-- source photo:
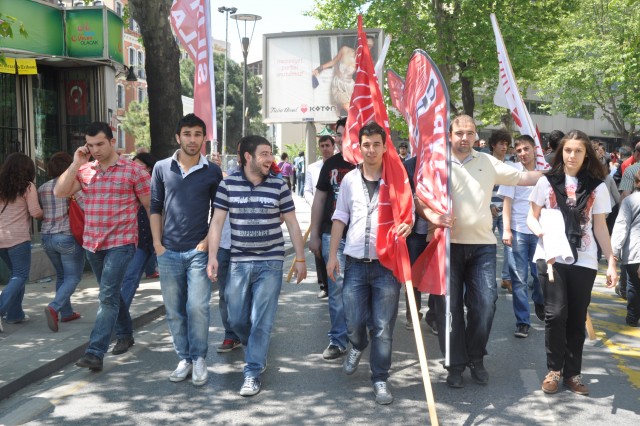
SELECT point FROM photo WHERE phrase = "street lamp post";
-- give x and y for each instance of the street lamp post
(245, 42)
(226, 11)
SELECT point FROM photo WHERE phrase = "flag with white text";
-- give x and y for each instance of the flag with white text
(190, 20)
(508, 96)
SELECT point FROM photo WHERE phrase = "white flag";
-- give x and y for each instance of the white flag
(508, 96)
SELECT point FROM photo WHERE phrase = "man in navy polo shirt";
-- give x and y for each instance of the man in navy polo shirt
(183, 188)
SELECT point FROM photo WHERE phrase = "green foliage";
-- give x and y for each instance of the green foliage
(293, 149)
(136, 123)
(597, 62)
(459, 38)
(7, 23)
(234, 98)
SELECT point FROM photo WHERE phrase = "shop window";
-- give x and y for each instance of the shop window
(140, 68)
(132, 56)
(119, 8)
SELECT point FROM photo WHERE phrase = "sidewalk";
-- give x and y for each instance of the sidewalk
(29, 352)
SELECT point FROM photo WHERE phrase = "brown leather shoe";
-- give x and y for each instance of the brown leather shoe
(575, 385)
(506, 284)
(551, 382)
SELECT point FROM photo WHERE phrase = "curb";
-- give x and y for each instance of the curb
(72, 355)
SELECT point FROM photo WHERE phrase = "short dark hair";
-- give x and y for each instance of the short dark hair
(458, 119)
(370, 129)
(301, 154)
(499, 136)
(99, 127)
(250, 144)
(524, 139)
(284, 156)
(58, 163)
(326, 138)
(191, 120)
(148, 159)
(341, 122)
(554, 139)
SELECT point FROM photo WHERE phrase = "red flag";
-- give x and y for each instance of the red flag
(424, 101)
(394, 197)
(191, 23)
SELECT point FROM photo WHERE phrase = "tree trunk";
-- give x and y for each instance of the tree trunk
(466, 89)
(163, 72)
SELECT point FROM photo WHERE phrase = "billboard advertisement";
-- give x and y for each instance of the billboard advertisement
(114, 36)
(309, 76)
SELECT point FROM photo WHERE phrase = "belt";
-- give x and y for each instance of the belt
(364, 260)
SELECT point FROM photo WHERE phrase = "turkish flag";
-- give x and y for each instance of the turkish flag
(395, 200)
(77, 97)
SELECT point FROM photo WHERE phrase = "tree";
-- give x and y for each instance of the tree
(136, 123)
(597, 62)
(162, 70)
(6, 29)
(234, 98)
(458, 36)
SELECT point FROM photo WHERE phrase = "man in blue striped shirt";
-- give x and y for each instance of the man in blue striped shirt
(255, 201)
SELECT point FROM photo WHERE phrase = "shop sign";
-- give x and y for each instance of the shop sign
(85, 33)
(27, 66)
(43, 24)
(9, 66)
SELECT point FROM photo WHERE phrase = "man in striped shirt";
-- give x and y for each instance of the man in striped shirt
(254, 201)
(113, 189)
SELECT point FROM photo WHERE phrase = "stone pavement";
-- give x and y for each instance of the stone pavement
(29, 352)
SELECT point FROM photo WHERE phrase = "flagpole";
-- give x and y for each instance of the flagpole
(448, 320)
(422, 355)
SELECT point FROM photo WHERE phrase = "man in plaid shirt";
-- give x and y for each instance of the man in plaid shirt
(113, 189)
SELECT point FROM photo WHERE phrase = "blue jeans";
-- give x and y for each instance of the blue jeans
(338, 332)
(370, 296)
(109, 267)
(130, 283)
(186, 290)
(224, 256)
(508, 264)
(252, 299)
(18, 260)
(67, 257)
(300, 185)
(472, 283)
(523, 247)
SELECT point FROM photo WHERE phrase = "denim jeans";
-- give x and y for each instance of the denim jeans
(523, 247)
(18, 260)
(224, 257)
(370, 294)
(109, 267)
(472, 283)
(508, 264)
(252, 293)
(67, 257)
(300, 185)
(338, 332)
(186, 290)
(130, 283)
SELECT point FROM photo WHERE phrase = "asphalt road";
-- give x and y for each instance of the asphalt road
(300, 388)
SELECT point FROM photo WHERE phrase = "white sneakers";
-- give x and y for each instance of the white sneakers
(182, 371)
(200, 373)
(383, 394)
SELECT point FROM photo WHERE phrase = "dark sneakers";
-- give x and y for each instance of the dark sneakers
(454, 379)
(333, 351)
(122, 345)
(539, 311)
(90, 361)
(522, 331)
(479, 374)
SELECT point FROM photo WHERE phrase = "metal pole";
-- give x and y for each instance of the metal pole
(224, 96)
(245, 53)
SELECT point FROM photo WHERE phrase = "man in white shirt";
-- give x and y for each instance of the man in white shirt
(327, 147)
(522, 241)
(370, 291)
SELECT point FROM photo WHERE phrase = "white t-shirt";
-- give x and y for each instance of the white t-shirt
(520, 204)
(599, 203)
